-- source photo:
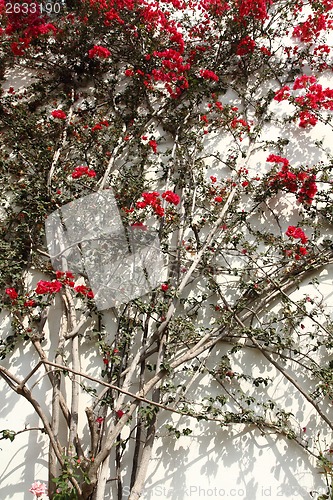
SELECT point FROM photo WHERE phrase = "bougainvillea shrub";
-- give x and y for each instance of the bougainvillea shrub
(211, 121)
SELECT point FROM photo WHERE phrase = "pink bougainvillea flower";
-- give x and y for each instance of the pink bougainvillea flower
(59, 113)
(12, 293)
(38, 489)
(99, 51)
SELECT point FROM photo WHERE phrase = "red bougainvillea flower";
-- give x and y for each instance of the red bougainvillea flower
(29, 303)
(12, 293)
(307, 118)
(62, 274)
(84, 290)
(171, 197)
(207, 74)
(245, 46)
(302, 81)
(213, 178)
(164, 287)
(18, 48)
(100, 125)
(151, 199)
(153, 145)
(218, 199)
(139, 225)
(310, 29)
(282, 94)
(308, 190)
(265, 51)
(278, 159)
(59, 113)
(99, 51)
(297, 233)
(256, 9)
(303, 184)
(128, 72)
(83, 170)
(44, 287)
(119, 413)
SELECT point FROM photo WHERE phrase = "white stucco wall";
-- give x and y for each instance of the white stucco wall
(213, 462)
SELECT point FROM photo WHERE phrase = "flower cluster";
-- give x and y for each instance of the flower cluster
(303, 184)
(310, 30)
(99, 51)
(153, 144)
(65, 277)
(282, 94)
(84, 290)
(153, 200)
(25, 24)
(100, 125)
(255, 9)
(38, 489)
(315, 98)
(12, 293)
(83, 170)
(171, 197)
(297, 233)
(245, 46)
(45, 287)
(59, 113)
(209, 75)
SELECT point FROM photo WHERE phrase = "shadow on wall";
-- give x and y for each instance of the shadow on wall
(235, 461)
(229, 463)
